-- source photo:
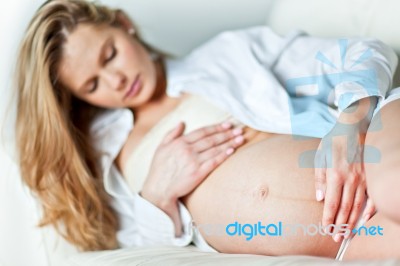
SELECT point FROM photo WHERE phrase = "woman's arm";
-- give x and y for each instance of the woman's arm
(168, 205)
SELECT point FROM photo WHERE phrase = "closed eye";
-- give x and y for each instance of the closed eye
(94, 85)
(112, 55)
(108, 59)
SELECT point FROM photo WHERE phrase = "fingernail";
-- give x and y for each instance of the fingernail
(319, 195)
(237, 131)
(226, 125)
(239, 139)
(229, 151)
(336, 238)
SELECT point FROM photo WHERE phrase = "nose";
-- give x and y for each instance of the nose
(113, 79)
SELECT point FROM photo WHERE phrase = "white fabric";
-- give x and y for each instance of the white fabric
(221, 71)
(191, 256)
(248, 77)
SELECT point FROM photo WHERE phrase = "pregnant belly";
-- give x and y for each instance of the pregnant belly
(265, 182)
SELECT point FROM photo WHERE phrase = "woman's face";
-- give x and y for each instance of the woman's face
(106, 67)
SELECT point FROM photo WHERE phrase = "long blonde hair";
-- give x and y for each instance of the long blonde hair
(57, 158)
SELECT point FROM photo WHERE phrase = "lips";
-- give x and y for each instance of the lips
(134, 89)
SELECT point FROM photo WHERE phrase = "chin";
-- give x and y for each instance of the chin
(147, 93)
(141, 99)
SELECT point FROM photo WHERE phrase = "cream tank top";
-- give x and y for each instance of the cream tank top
(195, 111)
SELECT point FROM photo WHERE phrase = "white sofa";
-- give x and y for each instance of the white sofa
(175, 26)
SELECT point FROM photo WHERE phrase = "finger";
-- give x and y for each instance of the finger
(346, 206)
(209, 165)
(216, 140)
(332, 198)
(227, 147)
(174, 133)
(320, 184)
(369, 210)
(358, 204)
(206, 131)
(320, 176)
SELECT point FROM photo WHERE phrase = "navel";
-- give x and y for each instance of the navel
(261, 192)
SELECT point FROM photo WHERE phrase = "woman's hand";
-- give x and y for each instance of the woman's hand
(339, 169)
(182, 162)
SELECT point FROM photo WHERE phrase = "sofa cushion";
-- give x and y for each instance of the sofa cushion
(167, 255)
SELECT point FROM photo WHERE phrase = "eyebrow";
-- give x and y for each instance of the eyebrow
(103, 47)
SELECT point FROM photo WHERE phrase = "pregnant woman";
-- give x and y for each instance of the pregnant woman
(94, 101)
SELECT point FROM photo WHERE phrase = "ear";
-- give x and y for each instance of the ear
(124, 21)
